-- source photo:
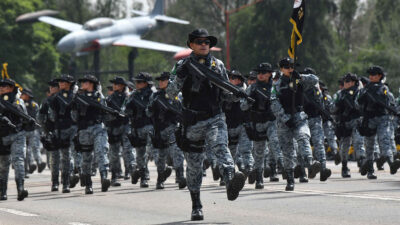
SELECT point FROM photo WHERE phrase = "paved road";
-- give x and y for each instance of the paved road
(338, 201)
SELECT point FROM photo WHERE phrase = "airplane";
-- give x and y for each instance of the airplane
(102, 32)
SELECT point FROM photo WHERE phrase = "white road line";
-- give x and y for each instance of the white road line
(16, 212)
(78, 223)
(339, 194)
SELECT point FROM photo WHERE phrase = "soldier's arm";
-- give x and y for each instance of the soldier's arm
(149, 108)
(178, 78)
(309, 80)
(276, 106)
(244, 104)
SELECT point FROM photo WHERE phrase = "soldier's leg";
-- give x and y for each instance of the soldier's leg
(344, 152)
(194, 176)
(366, 167)
(101, 147)
(18, 150)
(65, 168)
(275, 150)
(87, 158)
(162, 171)
(4, 171)
(55, 169)
(245, 147)
(36, 151)
(384, 139)
(178, 159)
(260, 149)
(289, 155)
(114, 161)
(129, 155)
(317, 137)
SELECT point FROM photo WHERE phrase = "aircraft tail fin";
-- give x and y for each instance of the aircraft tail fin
(158, 8)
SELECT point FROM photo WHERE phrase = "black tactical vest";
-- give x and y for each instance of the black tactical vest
(286, 92)
(116, 101)
(138, 116)
(61, 104)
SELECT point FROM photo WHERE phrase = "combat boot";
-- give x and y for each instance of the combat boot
(297, 171)
(105, 182)
(259, 180)
(146, 173)
(252, 176)
(215, 172)
(314, 169)
(274, 176)
(325, 172)
(197, 213)
(362, 162)
(303, 175)
(337, 158)
(88, 184)
(135, 175)
(41, 167)
(32, 168)
(280, 166)
(160, 182)
(371, 175)
(393, 164)
(65, 182)
(234, 183)
(143, 180)
(73, 180)
(222, 182)
(114, 181)
(345, 170)
(82, 178)
(127, 176)
(379, 163)
(181, 178)
(267, 171)
(290, 180)
(54, 182)
(22, 192)
(3, 189)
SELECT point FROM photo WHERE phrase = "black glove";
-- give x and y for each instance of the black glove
(290, 123)
(181, 70)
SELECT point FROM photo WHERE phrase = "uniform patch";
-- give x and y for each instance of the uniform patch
(5, 97)
(65, 95)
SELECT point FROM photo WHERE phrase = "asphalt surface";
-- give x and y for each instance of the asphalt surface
(337, 201)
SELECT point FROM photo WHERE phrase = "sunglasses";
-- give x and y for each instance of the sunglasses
(202, 41)
(288, 66)
(374, 74)
(140, 81)
(347, 80)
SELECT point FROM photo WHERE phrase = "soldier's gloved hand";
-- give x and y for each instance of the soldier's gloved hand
(290, 123)
(181, 70)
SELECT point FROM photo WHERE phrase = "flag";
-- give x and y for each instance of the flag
(4, 75)
(297, 19)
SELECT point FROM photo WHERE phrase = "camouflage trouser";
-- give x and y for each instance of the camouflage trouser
(128, 153)
(356, 139)
(242, 148)
(383, 132)
(330, 136)
(214, 132)
(95, 135)
(160, 155)
(142, 152)
(55, 162)
(392, 141)
(17, 156)
(33, 147)
(317, 138)
(300, 134)
(67, 162)
(260, 150)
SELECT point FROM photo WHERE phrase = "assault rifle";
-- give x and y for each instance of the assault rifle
(7, 106)
(89, 102)
(382, 104)
(169, 107)
(324, 113)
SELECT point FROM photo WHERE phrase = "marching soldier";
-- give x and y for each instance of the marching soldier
(118, 129)
(12, 139)
(375, 109)
(287, 105)
(32, 133)
(141, 125)
(91, 138)
(203, 120)
(164, 114)
(262, 122)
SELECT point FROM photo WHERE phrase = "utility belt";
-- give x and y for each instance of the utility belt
(191, 117)
(81, 148)
(261, 117)
(84, 124)
(364, 129)
(252, 132)
(50, 142)
(4, 149)
(341, 131)
(187, 145)
(135, 140)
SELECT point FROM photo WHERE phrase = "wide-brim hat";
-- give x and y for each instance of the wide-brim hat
(164, 76)
(201, 33)
(109, 87)
(373, 70)
(309, 70)
(287, 61)
(143, 76)
(65, 78)
(236, 73)
(118, 80)
(350, 76)
(252, 75)
(28, 92)
(53, 83)
(7, 81)
(263, 67)
(89, 78)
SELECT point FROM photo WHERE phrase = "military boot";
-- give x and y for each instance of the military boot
(127, 174)
(160, 180)
(197, 213)
(379, 162)
(143, 180)
(337, 158)
(274, 176)
(371, 175)
(114, 182)
(297, 171)
(259, 180)
(88, 184)
(345, 170)
(146, 173)
(3, 189)
(105, 182)
(303, 175)
(65, 182)
(135, 175)
(222, 182)
(41, 167)
(362, 163)
(82, 178)
(252, 176)
(215, 172)
(181, 178)
(290, 180)
(393, 164)
(314, 169)
(54, 182)
(267, 171)
(73, 180)
(32, 168)
(325, 173)
(22, 192)
(234, 182)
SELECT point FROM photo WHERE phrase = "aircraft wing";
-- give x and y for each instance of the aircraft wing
(136, 42)
(63, 24)
(170, 19)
